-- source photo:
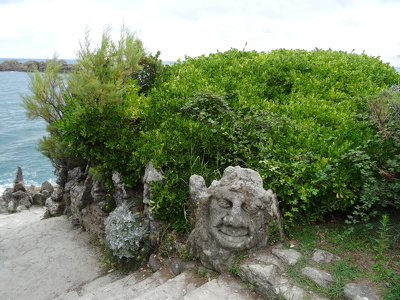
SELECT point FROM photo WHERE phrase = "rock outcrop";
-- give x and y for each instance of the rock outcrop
(32, 65)
(151, 175)
(19, 197)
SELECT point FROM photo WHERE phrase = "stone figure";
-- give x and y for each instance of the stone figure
(232, 215)
(19, 181)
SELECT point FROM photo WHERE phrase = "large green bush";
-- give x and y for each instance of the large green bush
(300, 118)
(307, 121)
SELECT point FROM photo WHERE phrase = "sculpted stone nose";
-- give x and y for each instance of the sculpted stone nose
(235, 218)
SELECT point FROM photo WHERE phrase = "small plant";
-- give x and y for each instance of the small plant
(234, 268)
(393, 293)
(125, 237)
(381, 243)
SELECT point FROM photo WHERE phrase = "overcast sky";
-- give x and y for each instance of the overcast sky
(38, 28)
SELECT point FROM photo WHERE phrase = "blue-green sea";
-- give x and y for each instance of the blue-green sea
(19, 136)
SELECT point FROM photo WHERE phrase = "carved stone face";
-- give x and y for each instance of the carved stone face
(237, 216)
(232, 215)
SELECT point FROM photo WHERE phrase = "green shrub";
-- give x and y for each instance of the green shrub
(300, 118)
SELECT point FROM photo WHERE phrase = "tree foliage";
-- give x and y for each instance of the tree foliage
(93, 110)
(49, 90)
(299, 117)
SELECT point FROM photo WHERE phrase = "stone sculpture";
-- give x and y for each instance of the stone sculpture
(233, 215)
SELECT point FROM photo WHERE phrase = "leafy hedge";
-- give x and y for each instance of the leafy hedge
(320, 126)
(300, 118)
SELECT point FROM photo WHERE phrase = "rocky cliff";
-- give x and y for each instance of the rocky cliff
(29, 66)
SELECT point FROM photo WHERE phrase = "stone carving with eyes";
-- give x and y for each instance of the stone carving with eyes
(232, 215)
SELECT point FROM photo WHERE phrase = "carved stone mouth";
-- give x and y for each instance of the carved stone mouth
(234, 232)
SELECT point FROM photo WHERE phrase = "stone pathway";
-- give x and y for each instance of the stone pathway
(48, 259)
(41, 259)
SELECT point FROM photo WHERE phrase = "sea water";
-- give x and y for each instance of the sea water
(19, 136)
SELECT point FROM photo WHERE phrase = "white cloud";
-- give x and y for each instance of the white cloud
(180, 27)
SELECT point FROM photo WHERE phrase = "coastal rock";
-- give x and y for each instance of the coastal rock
(13, 65)
(53, 208)
(36, 197)
(23, 199)
(19, 181)
(47, 186)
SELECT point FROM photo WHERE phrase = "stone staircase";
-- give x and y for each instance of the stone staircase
(263, 271)
(162, 285)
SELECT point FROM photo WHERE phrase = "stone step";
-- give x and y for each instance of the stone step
(134, 288)
(109, 287)
(103, 286)
(174, 288)
(99, 283)
(222, 288)
(162, 285)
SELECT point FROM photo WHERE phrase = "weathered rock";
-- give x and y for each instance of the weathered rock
(53, 208)
(289, 256)
(75, 176)
(197, 190)
(318, 276)
(262, 276)
(16, 201)
(11, 206)
(151, 174)
(152, 226)
(92, 219)
(23, 198)
(3, 205)
(322, 256)
(98, 192)
(37, 198)
(47, 186)
(354, 291)
(74, 220)
(81, 195)
(44, 195)
(269, 259)
(19, 181)
(154, 263)
(122, 193)
(58, 194)
(61, 175)
(233, 215)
